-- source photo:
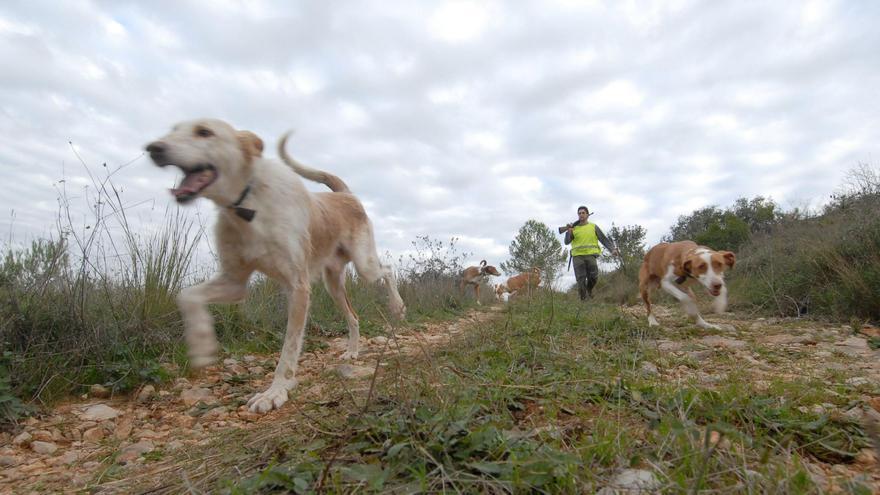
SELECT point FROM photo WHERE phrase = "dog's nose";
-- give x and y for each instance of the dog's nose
(157, 149)
(717, 287)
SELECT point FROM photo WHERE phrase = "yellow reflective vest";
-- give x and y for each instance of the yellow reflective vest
(584, 240)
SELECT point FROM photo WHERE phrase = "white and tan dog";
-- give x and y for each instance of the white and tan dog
(268, 222)
(678, 265)
(476, 275)
(525, 281)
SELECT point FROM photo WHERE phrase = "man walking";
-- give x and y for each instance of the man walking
(584, 238)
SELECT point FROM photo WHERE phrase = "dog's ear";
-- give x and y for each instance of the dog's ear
(251, 144)
(483, 263)
(686, 267)
(729, 258)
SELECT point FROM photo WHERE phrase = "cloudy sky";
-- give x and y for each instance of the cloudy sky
(451, 118)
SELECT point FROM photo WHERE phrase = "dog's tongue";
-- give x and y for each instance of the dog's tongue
(192, 183)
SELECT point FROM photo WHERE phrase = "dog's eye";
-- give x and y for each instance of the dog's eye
(204, 132)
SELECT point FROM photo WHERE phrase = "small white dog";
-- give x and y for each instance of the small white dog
(268, 222)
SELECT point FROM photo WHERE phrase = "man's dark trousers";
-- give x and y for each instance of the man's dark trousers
(586, 272)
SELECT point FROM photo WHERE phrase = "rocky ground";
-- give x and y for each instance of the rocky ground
(768, 350)
(95, 443)
(99, 444)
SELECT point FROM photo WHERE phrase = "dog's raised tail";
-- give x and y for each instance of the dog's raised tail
(334, 183)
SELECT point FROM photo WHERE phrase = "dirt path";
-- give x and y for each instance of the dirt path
(95, 444)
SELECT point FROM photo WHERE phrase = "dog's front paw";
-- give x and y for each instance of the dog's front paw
(273, 398)
(652, 322)
(347, 355)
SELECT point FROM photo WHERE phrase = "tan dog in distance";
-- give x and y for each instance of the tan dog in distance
(269, 222)
(476, 275)
(524, 281)
(678, 265)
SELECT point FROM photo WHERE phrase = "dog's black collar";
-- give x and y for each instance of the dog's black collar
(245, 214)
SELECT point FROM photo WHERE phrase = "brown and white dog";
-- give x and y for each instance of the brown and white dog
(269, 222)
(524, 281)
(476, 275)
(678, 265)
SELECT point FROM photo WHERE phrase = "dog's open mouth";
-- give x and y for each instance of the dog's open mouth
(714, 292)
(195, 180)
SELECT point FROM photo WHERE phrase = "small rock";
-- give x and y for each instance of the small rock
(380, 340)
(81, 479)
(249, 416)
(237, 369)
(174, 445)
(257, 370)
(66, 459)
(649, 368)
(57, 436)
(668, 345)
(853, 347)
(789, 339)
(43, 447)
(185, 421)
(352, 371)
(99, 391)
(146, 393)
(22, 438)
(42, 435)
(98, 412)
(9, 461)
(631, 481)
(123, 428)
(93, 435)
(134, 451)
(193, 396)
(216, 414)
(857, 381)
(148, 434)
(33, 467)
(230, 362)
(700, 356)
(716, 341)
(249, 358)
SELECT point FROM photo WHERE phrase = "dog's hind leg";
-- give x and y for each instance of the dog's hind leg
(334, 281)
(368, 266)
(199, 325)
(645, 290)
(285, 372)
